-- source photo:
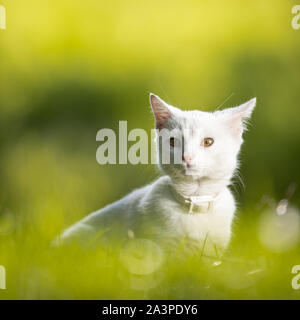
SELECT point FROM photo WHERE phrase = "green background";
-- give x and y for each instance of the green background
(69, 68)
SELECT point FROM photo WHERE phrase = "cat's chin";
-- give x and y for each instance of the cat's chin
(183, 173)
(194, 173)
(191, 174)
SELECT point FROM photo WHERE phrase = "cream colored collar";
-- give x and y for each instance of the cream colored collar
(199, 204)
(195, 204)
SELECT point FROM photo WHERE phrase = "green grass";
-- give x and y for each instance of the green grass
(36, 270)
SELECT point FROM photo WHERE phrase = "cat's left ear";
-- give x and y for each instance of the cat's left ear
(238, 117)
(162, 111)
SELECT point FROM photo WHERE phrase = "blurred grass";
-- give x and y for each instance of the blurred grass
(68, 69)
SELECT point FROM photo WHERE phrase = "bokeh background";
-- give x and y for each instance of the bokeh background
(69, 68)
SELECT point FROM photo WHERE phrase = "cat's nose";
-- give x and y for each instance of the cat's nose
(187, 158)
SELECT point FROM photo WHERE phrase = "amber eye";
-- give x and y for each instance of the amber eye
(172, 142)
(207, 142)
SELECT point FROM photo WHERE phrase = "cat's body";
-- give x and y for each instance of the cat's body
(146, 213)
(193, 200)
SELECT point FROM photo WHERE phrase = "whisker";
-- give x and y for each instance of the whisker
(225, 101)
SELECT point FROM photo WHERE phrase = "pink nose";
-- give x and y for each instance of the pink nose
(187, 158)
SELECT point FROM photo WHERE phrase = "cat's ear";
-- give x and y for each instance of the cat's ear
(161, 110)
(238, 117)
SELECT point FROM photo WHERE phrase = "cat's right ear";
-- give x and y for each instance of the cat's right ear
(161, 110)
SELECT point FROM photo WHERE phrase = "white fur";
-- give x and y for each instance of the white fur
(154, 210)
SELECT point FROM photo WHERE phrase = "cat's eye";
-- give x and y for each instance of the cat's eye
(172, 142)
(207, 142)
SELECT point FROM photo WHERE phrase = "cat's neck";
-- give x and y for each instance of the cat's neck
(189, 187)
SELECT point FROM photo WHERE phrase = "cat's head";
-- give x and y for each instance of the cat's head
(201, 144)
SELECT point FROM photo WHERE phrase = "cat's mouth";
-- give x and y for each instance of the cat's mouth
(194, 170)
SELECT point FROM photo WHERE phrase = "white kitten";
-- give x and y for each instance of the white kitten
(192, 200)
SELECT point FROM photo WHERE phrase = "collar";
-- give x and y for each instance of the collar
(195, 204)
